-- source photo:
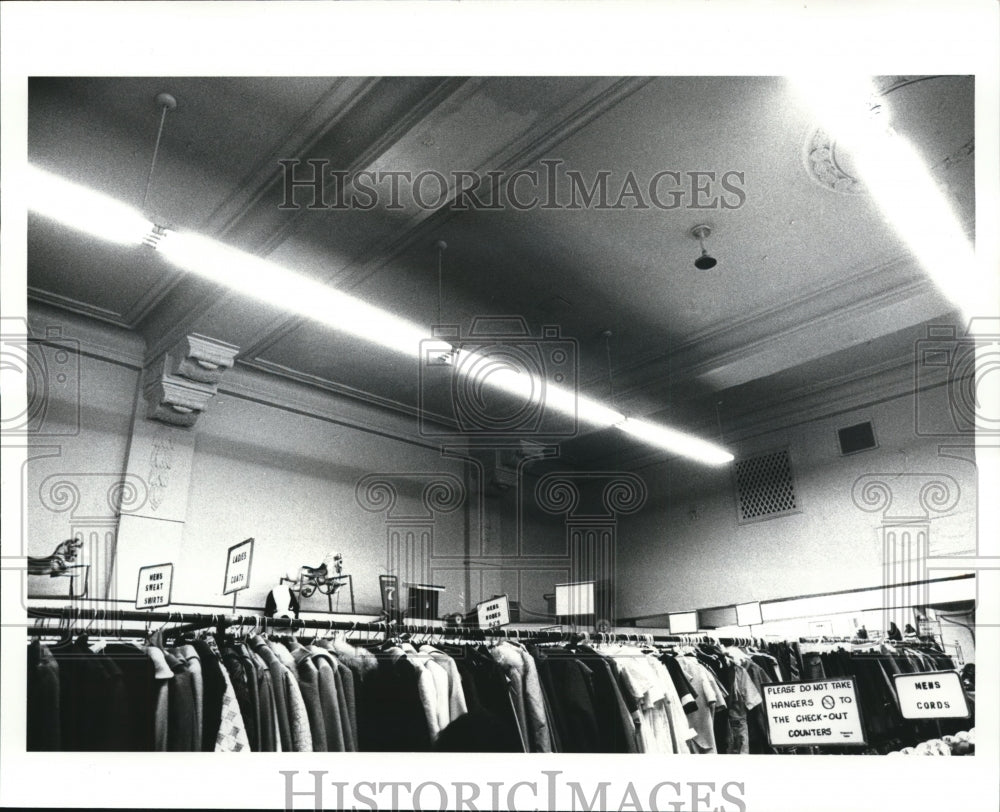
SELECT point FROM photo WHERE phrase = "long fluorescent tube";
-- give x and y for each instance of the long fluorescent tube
(489, 369)
(84, 209)
(901, 184)
(282, 287)
(678, 442)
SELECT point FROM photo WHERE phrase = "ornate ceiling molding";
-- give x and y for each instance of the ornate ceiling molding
(820, 152)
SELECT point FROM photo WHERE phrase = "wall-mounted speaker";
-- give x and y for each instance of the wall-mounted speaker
(859, 437)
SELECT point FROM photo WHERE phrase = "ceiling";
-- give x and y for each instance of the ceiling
(808, 268)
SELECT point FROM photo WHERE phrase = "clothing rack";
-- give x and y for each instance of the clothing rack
(871, 641)
(222, 623)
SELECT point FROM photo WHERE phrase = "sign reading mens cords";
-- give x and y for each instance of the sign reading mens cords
(493, 613)
(931, 695)
(238, 561)
(155, 584)
(813, 713)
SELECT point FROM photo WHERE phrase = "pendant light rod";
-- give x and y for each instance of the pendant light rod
(166, 103)
(705, 261)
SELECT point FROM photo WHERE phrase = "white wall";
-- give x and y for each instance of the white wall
(76, 459)
(687, 549)
(288, 480)
(270, 465)
(283, 469)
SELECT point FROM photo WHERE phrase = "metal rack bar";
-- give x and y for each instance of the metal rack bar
(197, 620)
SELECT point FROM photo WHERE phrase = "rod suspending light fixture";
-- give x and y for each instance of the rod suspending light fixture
(705, 261)
(102, 217)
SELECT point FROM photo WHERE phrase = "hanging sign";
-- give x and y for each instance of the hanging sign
(493, 613)
(748, 614)
(389, 587)
(155, 584)
(825, 712)
(238, 561)
(683, 622)
(931, 695)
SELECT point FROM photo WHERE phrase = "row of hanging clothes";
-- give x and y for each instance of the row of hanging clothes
(254, 685)
(872, 664)
(657, 698)
(250, 686)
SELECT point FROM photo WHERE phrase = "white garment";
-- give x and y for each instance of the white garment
(710, 697)
(457, 705)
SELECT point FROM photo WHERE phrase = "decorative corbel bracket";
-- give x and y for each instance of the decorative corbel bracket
(179, 385)
(201, 359)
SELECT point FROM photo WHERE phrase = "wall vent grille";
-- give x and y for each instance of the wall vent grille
(765, 487)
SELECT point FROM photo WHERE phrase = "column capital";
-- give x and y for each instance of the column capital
(560, 492)
(906, 497)
(438, 493)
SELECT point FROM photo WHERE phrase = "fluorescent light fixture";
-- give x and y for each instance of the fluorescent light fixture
(901, 184)
(281, 287)
(275, 285)
(675, 441)
(84, 209)
(495, 370)
(588, 410)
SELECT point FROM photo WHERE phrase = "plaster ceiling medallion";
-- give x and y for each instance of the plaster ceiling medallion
(927, 110)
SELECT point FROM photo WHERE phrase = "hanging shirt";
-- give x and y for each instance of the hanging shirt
(684, 689)
(710, 698)
(509, 658)
(683, 733)
(742, 697)
(639, 682)
(43, 717)
(232, 735)
(308, 675)
(330, 699)
(298, 715)
(539, 730)
(163, 672)
(279, 685)
(568, 685)
(188, 653)
(453, 699)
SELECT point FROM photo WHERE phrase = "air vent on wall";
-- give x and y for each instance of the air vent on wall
(856, 438)
(764, 487)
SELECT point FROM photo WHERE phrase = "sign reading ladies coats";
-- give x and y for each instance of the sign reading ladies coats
(238, 562)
